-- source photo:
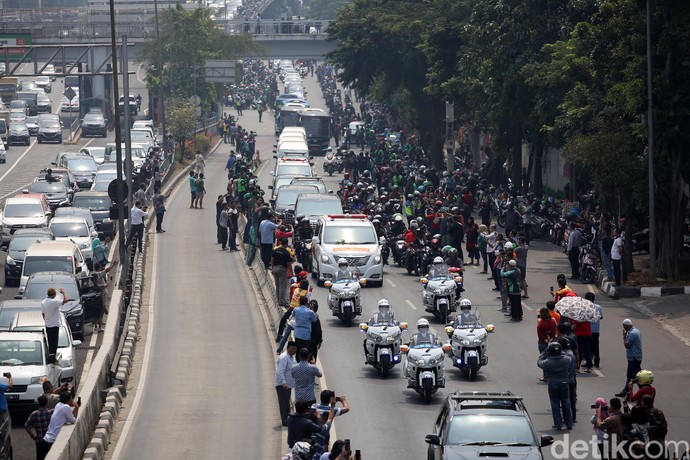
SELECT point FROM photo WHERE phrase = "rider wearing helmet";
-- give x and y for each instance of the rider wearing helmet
(466, 316)
(384, 314)
(644, 380)
(422, 336)
(343, 273)
(437, 267)
(398, 227)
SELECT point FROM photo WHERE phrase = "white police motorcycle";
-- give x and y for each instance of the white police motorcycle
(343, 294)
(440, 293)
(468, 341)
(383, 340)
(424, 367)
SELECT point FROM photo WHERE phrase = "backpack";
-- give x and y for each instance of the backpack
(658, 419)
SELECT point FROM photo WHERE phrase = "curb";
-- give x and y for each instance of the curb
(613, 291)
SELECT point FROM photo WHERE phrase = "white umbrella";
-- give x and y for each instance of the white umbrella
(578, 309)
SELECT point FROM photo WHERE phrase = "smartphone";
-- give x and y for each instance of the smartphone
(337, 399)
(347, 445)
(6, 375)
(551, 287)
(79, 401)
(358, 455)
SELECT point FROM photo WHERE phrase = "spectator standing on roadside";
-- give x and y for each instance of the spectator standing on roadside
(316, 338)
(572, 376)
(521, 258)
(281, 258)
(617, 256)
(141, 195)
(223, 227)
(305, 374)
(596, 328)
(100, 279)
(4, 410)
(267, 229)
(200, 186)
(159, 208)
(192, 189)
(38, 421)
(136, 231)
(220, 203)
(199, 163)
(50, 309)
(606, 245)
(632, 341)
(556, 367)
(574, 244)
(233, 224)
(300, 425)
(65, 413)
(284, 381)
(304, 317)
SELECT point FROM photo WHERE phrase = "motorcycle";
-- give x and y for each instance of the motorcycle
(343, 298)
(440, 293)
(304, 254)
(589, 262)
(413, 260)
(424, 368)
(398, 250)
(468, 344)
(382, 345)
(385, 250)
(329, 163)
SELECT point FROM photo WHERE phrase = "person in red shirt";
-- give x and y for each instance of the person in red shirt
(563, 290)
(410, 236)
(583, 332)
(284, 231)
(644, 382)
(547, 331)
(467, 199)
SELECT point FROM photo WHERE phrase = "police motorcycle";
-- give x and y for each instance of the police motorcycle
(424, 367)
(329, 162)
(343, 293)
(440, 293)
(383, 339)
(468, 337)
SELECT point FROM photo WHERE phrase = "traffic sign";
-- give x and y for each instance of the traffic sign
(70, 93)
(112, 190)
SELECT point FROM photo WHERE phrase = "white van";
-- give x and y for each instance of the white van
(53, 256)
(292, 149)
(292, 131)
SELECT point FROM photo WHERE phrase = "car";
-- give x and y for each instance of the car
(60, 155)
(49, 129)
(70, 105)
(56, 193)
(50, 71)
(17, 116)
(19, 134)
(293, 167)
(81, 212)
(44, 104)
(43, 82)
(133, 107)
(314, 206)
(98, 203)
(311, 181)
(75, 229)
(83, 167)
(145, 125)
(19, 104)
(94, 124)
(484, 424)
(350, 237)
(279, 181)
(38, 284)
(142, 137)
(21, 240)
(32, 321)
(3, 153)
(287, 195)
(32, 125)
(25, 356)
(97, 153)
(62, 175)
(24, 211)
(354, 126)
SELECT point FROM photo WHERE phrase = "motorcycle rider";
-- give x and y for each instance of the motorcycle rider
(385, 313)
(466, 317)
(437, 268)
(398, 227)
(422, 336)
(343, 272)
(302, 233)
(434, 253)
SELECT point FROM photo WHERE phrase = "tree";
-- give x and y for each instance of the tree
(182, 122)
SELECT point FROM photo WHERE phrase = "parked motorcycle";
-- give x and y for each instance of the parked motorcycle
(589, 263)
(468, 343)
(440, 293)
(382, 344)
(424, 367)
(343, 298)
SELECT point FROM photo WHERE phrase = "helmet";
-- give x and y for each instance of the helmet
(421, 189)
(554, 349)
(398, 218)
(375, 221)
(417, 193)
(409, 196)
(346, 175)
(446, 174)
(94, 234)
(342, 261)
(414, 224)
(420, 220)
(438, 203)
(447, 248)
(645, 377)
(434, 242)
(384, 304)
(301, 450)
(366, 173)
(453, 251)
(423, 322)
(438, 260)
(465, 304)
(508, 246)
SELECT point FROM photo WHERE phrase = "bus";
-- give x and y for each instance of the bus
(8, 88)
(317, 124)
(289, 116)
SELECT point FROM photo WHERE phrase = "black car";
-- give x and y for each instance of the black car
(94, 124)
(16, 249)
(56, 193)
(99, 204)
(49, 129)
(475, 425)
(38, 284)
(44, 104)
(19, 134)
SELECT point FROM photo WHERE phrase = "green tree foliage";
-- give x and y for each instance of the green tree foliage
(187, 39)
(181, 117)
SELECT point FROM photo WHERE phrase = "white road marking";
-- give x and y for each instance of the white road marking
(17, 161)
(590, 288)
(597, 372)
(144, 365)
(410, 304)
(392, 284)
(524, 304)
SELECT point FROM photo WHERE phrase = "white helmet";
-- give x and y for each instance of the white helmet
(423, 322)
(508, 246)
(438, 260)
(384, 305)
(342, 261)
(465, 304)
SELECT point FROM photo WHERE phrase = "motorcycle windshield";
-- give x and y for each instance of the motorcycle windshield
(425, 345)
(439, 273)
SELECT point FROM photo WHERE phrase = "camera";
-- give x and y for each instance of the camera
(6, 375)
(635, 380)
(337, 399)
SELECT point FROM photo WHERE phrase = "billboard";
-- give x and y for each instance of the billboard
(15, 46)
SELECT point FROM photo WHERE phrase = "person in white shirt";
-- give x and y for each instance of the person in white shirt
(65, 412)
(50, 309)
(617, 256)
(138, 214)
(284, 381)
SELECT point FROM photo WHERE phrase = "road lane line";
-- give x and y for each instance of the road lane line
(391, 283)
(16, 162)
(410, 304)
(597, 372)
(524, 304)
(145, 364)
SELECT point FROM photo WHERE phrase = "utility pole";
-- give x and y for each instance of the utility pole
(161, 104)
(126, 105)
(450, 138)
(650, 144)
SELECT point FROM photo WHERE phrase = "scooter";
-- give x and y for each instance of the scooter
(413, 260)
(424, 368)
(398, 250)
(439, 295)
(468, 344)
(382, 345)
(589, 262)
(329, 163)
(343, 298)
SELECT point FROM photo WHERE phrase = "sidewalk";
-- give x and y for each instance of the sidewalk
(672, 313)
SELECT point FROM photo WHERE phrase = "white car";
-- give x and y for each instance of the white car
(74, 229)
(25, 356)
(70, 105)
(3, 153)
(32, 321)
(349, 237)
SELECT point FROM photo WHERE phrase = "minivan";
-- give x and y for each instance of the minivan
(49, 128)
(31, 98)
(292, 149)
(23, 211)
(53, 256)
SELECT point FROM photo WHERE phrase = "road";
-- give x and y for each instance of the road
(23, 165)
(389, 421)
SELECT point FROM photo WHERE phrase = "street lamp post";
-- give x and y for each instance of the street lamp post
(159, 64)
(650, 144)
